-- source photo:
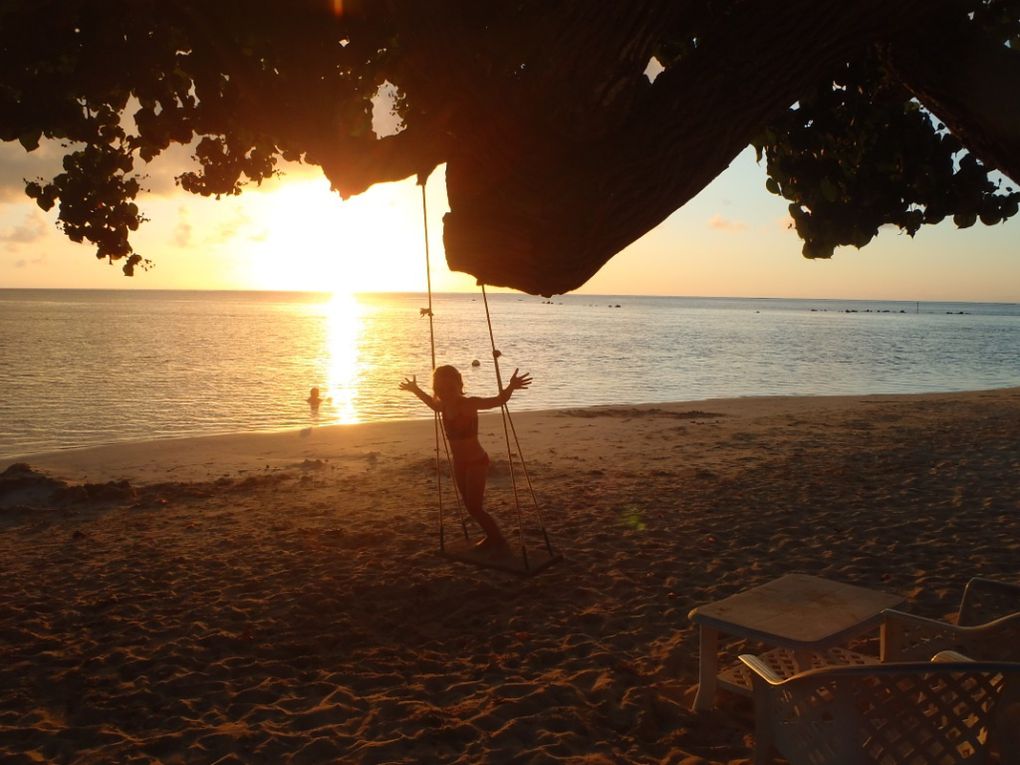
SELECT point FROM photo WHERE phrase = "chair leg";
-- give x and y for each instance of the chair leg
(762, 725)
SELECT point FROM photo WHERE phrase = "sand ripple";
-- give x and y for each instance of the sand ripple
(297, 612)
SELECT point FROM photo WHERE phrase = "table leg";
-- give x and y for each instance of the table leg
(802, 659)
(708, 668)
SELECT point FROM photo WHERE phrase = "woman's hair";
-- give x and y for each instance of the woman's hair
(447, 382)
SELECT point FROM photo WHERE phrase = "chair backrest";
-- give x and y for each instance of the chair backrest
(916, 640)
(891, 714)
(985, 600)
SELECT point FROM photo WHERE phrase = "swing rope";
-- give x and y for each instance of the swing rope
(508, 425)
(508, 428)
(436, 417)
(506, 432)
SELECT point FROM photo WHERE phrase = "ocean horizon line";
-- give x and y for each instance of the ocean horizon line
(502, 291)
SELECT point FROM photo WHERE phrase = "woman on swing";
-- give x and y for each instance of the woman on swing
(460, 421)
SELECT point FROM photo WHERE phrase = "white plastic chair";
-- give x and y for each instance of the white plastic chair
(987, 627)
(915, 713)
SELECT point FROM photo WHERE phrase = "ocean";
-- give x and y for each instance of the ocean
(87, 367)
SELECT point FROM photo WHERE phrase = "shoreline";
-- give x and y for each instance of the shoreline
(89, 460)
(279, 597)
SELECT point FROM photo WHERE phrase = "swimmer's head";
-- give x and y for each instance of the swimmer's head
(447, 383)
(314, 394)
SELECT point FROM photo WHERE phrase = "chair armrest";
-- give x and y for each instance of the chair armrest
(760, 668)
(908, 637)
(945, 657)
(988, 599)
(992, 585)
(891, 615)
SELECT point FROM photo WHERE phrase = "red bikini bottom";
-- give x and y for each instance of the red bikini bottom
(482, 459)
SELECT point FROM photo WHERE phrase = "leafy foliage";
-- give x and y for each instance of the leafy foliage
(246, 84)
(243, 83)
(860, 153)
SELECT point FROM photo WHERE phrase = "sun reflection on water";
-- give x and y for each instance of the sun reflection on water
(344, 327)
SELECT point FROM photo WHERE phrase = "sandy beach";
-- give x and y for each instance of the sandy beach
(279, 597)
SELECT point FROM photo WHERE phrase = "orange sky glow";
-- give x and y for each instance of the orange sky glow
(294, 234)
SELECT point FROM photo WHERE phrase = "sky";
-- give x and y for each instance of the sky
(293, 233)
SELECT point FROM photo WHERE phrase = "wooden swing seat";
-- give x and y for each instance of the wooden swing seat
(508, 559)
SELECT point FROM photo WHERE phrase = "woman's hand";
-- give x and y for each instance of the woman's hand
(518, 381)
(410, 385)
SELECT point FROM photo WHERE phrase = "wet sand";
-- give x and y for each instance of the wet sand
(279, 597)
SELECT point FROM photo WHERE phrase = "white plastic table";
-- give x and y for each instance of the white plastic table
(799, 613)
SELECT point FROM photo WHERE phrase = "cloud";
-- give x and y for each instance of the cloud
(16, 164)
(719, 223)
(32, 229)
(231, 227)
(157, 177)
(25, 262)
(182, 231)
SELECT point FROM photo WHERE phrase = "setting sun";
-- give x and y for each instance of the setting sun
(303, 236)
(297, 234)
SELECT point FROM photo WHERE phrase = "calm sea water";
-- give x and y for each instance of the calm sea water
(91, 367)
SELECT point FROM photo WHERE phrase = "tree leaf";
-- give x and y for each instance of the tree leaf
(965, 220)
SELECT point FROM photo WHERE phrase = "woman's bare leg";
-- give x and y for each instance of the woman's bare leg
(472, 479)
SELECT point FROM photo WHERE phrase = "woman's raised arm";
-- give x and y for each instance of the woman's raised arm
(517, 382)
(412, 386)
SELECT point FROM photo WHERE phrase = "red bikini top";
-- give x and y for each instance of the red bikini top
(464, 425)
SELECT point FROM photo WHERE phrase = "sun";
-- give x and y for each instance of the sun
(304, 237)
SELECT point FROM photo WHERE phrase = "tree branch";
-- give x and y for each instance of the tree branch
(972, 84)
(544, 214)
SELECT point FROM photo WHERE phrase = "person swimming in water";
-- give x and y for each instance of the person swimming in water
(314, 400)
(460, 423)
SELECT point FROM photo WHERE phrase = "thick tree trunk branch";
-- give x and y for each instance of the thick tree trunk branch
(972, 84)
(353, 166)
(542, 215)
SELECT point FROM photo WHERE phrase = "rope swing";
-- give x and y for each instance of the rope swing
(462, 550)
